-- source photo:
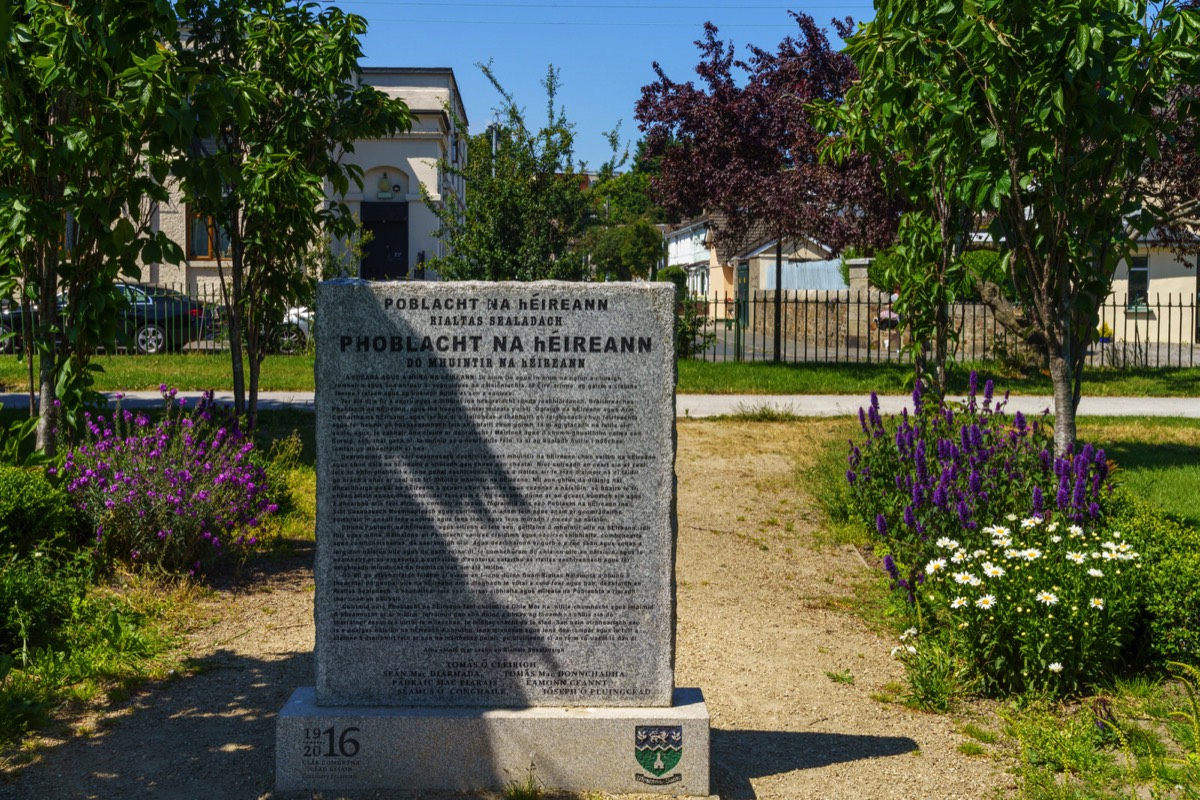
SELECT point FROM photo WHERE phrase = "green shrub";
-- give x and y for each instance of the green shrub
(32, 511)
(1170, 599)
(35, 598)
(691, 338)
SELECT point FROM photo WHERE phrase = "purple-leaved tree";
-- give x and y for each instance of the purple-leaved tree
(742, 147)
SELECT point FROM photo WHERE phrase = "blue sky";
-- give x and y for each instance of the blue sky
(603, 49)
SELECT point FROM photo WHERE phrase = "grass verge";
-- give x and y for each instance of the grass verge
(184, 371)
(200, 371)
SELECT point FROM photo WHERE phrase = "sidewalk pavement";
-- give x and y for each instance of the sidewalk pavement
(709, 405)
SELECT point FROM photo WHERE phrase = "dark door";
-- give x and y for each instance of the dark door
(385, 256)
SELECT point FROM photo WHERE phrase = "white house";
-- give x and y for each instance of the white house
(389, 203)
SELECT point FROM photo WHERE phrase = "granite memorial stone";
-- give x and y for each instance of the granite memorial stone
(495, 536)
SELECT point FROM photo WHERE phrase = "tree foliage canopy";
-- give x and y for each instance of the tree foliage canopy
(89, 108)
(101, 103)
(1044, 117)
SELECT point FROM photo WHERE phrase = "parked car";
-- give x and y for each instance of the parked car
(151, 320)
(293, 333)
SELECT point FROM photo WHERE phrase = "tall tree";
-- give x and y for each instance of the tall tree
(525, 206)
(89, 109)
(277, 99)
(624, 252)
(1173, 181)
(1057, 107)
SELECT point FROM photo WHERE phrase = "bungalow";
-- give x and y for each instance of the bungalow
(1154, 297)
(716, 270)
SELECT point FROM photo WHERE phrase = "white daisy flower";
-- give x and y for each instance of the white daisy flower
(1003, 541)
(963, 577)
(1097, 603)
(1052, 527)
(1108, 546)
(959, 557)
(1030, 522)
(958, 602)
(992, 571)
(1075, 530)
(975, 581)
(909, 633)
(1109, 555)
(987, 601)
(1055, 667)
(1095, 573)
(979, 554)
(1077, 558)
(934, 566)
(1011, 517)
(1056, 539)
(946, 543)
(1031, 554)
(1048, 598)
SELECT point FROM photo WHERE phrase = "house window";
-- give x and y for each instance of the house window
(205, 239)
(1139, 284)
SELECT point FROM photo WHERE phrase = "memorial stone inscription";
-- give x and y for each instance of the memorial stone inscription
(495, 494)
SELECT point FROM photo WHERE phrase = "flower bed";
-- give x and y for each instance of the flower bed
(178, 494)
(947, 472)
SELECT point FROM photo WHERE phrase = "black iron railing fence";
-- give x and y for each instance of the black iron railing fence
(843, 327)
(839, 327)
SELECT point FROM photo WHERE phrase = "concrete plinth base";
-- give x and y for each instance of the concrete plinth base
(615, 750)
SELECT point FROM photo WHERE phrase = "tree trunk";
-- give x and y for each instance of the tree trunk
(255, 361)
(941, 350)
(1062, 373)
(236, 319)
(47, 427)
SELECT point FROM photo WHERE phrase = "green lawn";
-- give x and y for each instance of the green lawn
(1158, 458)
(187, 371)
(699, 377)
(295, 373)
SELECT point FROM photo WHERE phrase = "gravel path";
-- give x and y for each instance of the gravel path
(760, 626)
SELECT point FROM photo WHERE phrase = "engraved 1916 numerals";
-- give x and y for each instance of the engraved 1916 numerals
(330, 743)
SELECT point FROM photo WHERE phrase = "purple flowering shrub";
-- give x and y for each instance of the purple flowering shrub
(945, 471)
(177, 495)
